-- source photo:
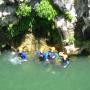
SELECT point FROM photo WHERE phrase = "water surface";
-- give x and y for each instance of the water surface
(32, 76)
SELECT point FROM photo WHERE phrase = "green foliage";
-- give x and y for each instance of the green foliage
(45, 10)
(10, 27)
(70, 39)
(68, 16)
(10, 30)
(25, 22)
(43, 16)
(23, 10)
(21, 27)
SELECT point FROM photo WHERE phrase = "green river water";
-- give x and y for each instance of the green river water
(32, 76)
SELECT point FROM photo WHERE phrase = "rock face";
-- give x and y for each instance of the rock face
(7, 12)
(78, 8)
(78, 27)
(64, 26)
(82, 28)
(7, 16)
(83, 14)
(8, 9)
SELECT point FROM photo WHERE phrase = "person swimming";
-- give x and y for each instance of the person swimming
(52, 54)
(40, 54)
(22, 54)
(64, 59)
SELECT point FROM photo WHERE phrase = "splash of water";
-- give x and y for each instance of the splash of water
(14, 59)
(11, 57)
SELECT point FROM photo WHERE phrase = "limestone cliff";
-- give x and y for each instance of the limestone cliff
(78, 28)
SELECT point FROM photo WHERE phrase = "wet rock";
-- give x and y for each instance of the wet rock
(72, 50)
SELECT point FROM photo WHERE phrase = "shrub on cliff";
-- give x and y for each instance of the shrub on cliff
(23, 10)
(25, 22)
(45, 10)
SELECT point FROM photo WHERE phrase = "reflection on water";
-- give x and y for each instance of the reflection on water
(33, 76)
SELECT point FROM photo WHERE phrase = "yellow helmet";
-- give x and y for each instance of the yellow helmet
(53, 49)
(42, 49)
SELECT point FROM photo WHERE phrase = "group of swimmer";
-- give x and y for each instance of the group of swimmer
(50, 56)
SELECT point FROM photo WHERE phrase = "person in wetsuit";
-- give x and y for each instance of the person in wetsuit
(64, 59)
(22, 55)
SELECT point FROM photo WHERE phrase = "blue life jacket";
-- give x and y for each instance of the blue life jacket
(46, 55)
(53, 55)
(23, 55)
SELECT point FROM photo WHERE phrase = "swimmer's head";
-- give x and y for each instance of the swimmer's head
(20, 50)
(61, 53)
(53, 49)
(42, 49)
